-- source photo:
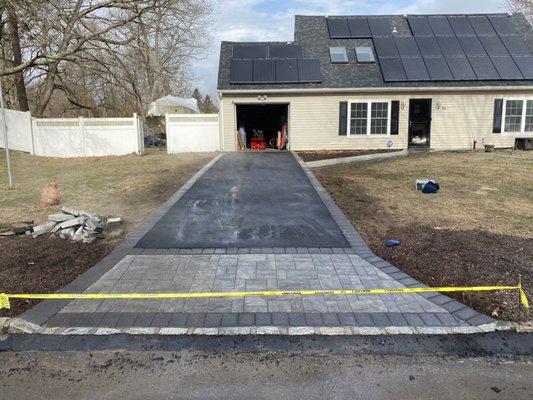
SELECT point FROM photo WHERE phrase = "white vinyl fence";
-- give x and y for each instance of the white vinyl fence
(87, 137)
(192, 132)
(19, 135)
(73, 137)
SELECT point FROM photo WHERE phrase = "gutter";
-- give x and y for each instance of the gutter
(380, 89)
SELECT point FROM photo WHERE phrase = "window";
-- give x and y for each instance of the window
(364, 54)
(513, 115)
(529, 116)
(369, 118)
(338, 55)
(517, 116)
(358, 118)
(379, 118)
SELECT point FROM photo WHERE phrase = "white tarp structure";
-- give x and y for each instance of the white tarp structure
(173, 105)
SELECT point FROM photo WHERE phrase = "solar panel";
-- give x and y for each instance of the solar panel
(241, 71)
(515, 45)
(415, 69)
(471, 46)
(359, 28)
(450, 46)
(460, 68)
(264, 71)
(420, 26)
(438, 69)
(285, 51)
(428, 46)
(493, 46)
(440, 26)
(309, 70)
(483, 68)
(503, 25)
(461, 26)
(525, 64)
(250, 51)
(380, 26)
(506, 67)
(481, 25)
(385, 47)
(286, 71)
(338, 28)
(392, 69)
(407, 46)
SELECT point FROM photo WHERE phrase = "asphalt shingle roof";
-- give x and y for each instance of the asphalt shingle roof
(312, 33)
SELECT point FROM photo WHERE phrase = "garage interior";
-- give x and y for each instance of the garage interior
(262, 126)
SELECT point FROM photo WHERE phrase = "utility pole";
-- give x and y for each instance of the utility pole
(4, 128)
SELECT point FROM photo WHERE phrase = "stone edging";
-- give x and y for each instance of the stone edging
(357, 242)
(44, 310)
(20, 326)
(347, 160)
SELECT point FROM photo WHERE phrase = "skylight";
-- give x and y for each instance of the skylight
(364, 55)
(338, 54)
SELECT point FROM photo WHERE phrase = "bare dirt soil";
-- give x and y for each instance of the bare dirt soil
(478, 230)
(44, 265)
(328, 154)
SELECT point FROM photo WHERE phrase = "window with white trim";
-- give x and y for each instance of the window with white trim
(358, 118)
(379, 118)
(369, 118)
(529, 116)
(517, 116)
(513, 115)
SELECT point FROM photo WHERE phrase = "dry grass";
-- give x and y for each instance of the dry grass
(479, 191)
(130, 186)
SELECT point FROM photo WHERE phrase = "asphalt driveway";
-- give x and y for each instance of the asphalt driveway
(248, 200)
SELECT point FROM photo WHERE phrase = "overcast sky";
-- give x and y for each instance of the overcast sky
(258, 20)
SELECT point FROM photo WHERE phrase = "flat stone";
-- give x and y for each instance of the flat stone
(61, 217)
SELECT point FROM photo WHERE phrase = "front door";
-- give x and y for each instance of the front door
(419, 122)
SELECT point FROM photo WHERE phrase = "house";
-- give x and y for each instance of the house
(383, 82)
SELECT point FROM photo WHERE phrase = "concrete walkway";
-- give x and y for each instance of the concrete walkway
(345, 262)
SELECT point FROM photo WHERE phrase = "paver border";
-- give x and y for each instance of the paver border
(357, 242)
(43, 311)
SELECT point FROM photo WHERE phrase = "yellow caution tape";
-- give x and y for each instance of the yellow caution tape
(4, 298)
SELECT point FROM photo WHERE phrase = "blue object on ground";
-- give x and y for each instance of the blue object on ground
(393, 243)
(431, 187)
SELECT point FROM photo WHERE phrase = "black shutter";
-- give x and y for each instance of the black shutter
(395, 118)
(497, 119)
(343, 118)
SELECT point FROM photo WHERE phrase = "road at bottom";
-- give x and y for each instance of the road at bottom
(233, 374)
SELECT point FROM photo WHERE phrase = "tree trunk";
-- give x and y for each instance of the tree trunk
(48, 88)
(22, 97)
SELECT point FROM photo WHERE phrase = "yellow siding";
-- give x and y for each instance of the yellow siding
(459, 118)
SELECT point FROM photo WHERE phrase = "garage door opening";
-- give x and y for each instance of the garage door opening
(262, 126)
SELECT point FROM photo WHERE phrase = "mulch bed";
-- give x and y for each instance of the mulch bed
(466, 258)
(43, 265)
(329, 154)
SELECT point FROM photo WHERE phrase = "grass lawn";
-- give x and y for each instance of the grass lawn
(477, 230)
(128, 186)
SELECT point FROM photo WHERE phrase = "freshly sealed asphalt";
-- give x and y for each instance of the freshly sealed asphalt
(248, 200)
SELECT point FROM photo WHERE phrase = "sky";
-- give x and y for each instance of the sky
(259, 20)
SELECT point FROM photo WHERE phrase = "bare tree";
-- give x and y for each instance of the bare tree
(522, 6)
(101, 55)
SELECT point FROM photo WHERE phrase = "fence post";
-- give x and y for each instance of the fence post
(82, 135)
(32, 133)
(167, 134)
(137, 133)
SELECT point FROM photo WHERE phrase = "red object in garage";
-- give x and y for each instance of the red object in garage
(258, 144)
